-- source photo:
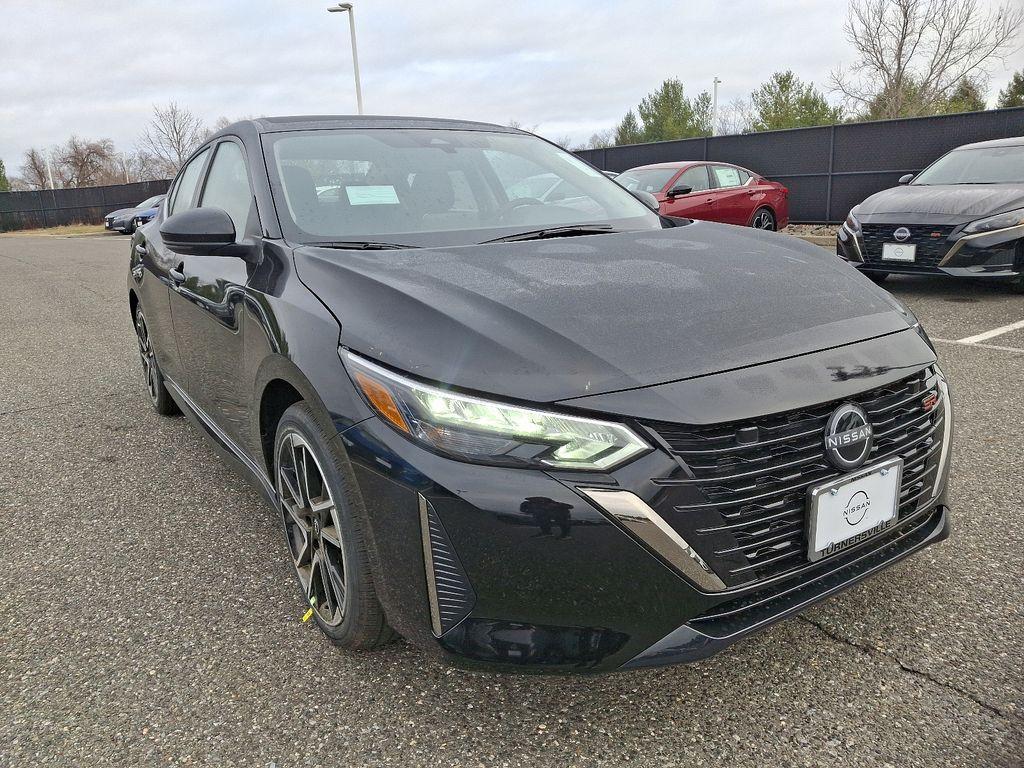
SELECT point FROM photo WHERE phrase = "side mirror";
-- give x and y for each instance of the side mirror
(906, 178)
(647, 199)
(202, 232)
(680, 189)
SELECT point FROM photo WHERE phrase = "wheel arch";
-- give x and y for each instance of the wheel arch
(280, 384)
(764, 207)
(133, 303)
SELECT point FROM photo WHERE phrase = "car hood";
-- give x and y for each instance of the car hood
(552, 319)
(956, 203)
(118, 212)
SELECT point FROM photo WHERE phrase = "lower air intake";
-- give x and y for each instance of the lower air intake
(450, 594)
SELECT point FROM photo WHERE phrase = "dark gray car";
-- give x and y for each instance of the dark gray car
(962, 216)
(123, 219)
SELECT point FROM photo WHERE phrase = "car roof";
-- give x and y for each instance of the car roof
(674, 164)
(320, 122)
(1012, 141)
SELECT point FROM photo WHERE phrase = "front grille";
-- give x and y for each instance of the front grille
(931, 244)
(744, 509)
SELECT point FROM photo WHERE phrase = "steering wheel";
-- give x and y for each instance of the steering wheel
(510, 205)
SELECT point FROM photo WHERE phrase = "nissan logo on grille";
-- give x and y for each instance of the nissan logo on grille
(848, 437)
(902, 234)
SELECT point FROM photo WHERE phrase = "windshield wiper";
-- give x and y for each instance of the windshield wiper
(541, 234)
(363, 245)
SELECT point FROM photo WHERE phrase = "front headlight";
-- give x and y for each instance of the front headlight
(852, 222)
(999, 221)
(474, 429)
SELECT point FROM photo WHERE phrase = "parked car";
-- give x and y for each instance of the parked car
(147, 215)
(123, 219)
(712, 192)
(517, 432)
(962, 216)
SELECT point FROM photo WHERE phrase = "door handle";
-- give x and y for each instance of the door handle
(176, 274)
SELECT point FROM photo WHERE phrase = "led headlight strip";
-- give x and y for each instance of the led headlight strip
(475, 429)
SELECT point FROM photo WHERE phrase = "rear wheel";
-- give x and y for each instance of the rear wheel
(763, 219)
(323, 521)
(161, 399)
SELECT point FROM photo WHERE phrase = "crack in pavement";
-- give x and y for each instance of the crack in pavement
(873, 651)
(16, 411)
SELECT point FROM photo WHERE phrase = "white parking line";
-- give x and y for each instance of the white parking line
(962, 343)
(993, 333)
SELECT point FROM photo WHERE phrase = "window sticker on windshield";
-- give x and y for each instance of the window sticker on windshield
(374, 194)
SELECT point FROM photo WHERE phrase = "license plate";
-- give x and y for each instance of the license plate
(898, 252)
(850, 509)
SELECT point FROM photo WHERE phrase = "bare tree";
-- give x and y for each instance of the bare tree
(33, 170)
(735, 117)
(84, 163)
(913, 54)
(172, 135)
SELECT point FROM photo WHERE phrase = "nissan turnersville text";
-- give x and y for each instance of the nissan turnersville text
(546, 433)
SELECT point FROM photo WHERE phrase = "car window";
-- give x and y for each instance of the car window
(185, 188)
(645, 179)
(728, 176)
(696, 178)
(982, 165)
(227, 186)
(414, 186)
(149, 202)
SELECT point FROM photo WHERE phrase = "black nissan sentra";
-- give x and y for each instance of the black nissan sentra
(559, 434)
(962, 216)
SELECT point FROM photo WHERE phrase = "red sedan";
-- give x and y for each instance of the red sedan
(713, 192)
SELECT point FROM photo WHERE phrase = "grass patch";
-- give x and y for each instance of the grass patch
(65, 231)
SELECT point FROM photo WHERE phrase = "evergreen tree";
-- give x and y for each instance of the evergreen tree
(5, 185)
(628, 131)
(785, 101)
(1013, 94)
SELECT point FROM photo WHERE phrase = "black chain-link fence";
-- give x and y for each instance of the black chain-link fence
(83, 205)
(830, 169)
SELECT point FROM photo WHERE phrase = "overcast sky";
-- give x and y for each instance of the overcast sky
(563, 67)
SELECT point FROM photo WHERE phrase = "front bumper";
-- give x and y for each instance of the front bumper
(522, 570)
(943, 250)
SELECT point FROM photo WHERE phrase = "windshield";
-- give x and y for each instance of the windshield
(436, 187)
(984, 165)
(646, 180)
(150, 201)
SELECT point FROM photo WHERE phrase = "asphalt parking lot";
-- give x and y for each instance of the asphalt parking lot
(148, 614)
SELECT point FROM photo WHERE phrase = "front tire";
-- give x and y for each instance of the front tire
(159, 397)
(764, 218)
(324, 523)
(877, 277)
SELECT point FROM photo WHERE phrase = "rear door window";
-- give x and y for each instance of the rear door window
(729, 176)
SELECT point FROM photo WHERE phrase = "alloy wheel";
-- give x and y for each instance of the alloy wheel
(147, 355)
(764, 220)
(312, 528)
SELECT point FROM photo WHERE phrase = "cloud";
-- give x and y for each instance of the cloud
(569, 67)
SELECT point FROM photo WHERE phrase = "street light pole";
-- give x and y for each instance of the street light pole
(343, 8)
(714, 106)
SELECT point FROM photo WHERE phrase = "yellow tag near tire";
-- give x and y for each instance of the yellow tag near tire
(309, 614)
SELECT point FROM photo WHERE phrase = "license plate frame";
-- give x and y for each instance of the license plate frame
(882, 480)
(899, 252)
